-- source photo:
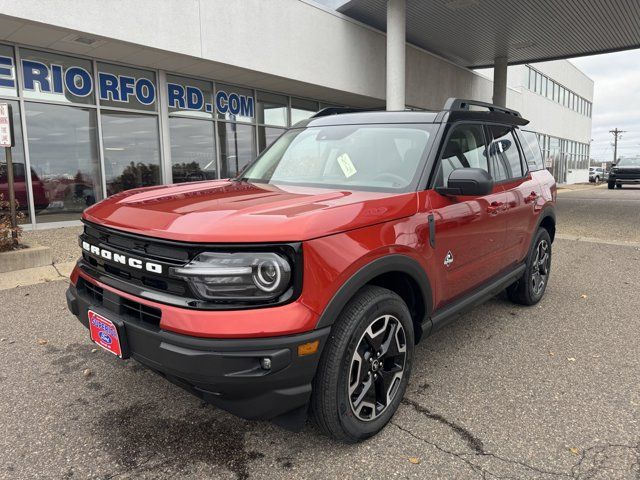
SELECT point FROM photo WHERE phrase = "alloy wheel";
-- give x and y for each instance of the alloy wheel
(377, 367)
(540, 268)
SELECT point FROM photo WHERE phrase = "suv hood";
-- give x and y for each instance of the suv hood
(239, 212)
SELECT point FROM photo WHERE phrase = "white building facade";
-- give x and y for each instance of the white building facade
(106, 100)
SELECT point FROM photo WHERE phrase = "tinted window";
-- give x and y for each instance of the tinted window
(193, 152)
(63, 148)
(465, 148)
(505, 157)
(532, 150)
(131, 150)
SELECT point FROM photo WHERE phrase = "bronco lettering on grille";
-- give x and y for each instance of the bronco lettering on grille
(122, 259)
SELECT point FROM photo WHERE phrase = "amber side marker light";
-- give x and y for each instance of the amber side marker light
(308, 348)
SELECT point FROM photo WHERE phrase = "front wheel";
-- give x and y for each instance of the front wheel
(533, 283)
(365, 367)
(618, 185)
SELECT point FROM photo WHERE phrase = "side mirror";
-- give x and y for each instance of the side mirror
(468, 181)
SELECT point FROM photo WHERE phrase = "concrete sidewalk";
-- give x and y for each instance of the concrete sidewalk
(65, 251)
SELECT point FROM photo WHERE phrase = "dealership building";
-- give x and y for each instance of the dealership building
(112, 95)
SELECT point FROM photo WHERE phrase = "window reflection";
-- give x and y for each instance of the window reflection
(302, 109)
(272, 109)
(20, 186)
(64, 160)
(267, 135)
(131, 150)
(237, 147)
(192, 150)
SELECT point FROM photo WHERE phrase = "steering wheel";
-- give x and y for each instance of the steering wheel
(395, 179)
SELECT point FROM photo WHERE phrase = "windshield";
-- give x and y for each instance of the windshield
(359, 157)
(629, 162)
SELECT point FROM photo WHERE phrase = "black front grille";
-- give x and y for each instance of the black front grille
(144, 313)
(140, 248)
(162, 287)
(94, 292)
(117, 304)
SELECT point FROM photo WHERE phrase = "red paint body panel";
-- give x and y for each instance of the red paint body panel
(232, 212)
(342, 232)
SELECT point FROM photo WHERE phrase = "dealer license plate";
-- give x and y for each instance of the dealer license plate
(104, 333)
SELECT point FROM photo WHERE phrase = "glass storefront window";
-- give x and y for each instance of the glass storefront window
(237, 147)
(267, 135)
(57, 78)
(235, 104)
(189, 97)
(63, 151)
(8, 84)
(272, 109)
(193, 150)
(20, 186)
(131, 150)
(302, 109)
(126, 87)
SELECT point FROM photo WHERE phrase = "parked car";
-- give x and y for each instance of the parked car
(310, 278)
(597, 174)
(20, 187)
(626, 171)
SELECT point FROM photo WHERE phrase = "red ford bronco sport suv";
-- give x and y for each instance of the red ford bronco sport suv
(306, 282)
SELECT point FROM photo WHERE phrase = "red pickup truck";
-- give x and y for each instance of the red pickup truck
(306, 282)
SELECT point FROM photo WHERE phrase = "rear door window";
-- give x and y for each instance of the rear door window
(505, 162)
(532, 151)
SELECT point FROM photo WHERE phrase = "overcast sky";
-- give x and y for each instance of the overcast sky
(616, 101)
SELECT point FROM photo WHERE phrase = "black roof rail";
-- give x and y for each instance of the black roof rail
(457, 104)
(325, 112)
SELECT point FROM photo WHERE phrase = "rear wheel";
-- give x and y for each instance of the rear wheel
(597, 180)
(618, 185)
(533, 283)
(365, 367)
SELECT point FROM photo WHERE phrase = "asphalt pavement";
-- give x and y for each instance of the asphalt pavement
(547, 392)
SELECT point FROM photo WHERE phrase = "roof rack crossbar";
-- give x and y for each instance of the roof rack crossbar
(453, 104)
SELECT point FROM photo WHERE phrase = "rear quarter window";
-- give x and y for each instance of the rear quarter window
(532, 151)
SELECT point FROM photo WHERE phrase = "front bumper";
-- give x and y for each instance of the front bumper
(625, 181)
(224, 372)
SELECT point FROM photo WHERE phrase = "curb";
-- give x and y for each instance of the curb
(36, 275)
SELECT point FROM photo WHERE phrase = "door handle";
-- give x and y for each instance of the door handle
(531, 197)
(495, 207)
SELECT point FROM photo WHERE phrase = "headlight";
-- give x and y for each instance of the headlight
(238, 276)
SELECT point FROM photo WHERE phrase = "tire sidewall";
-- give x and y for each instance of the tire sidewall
(542, 234)
(354, 427)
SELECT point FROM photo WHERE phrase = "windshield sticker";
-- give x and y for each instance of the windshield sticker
(346, 165)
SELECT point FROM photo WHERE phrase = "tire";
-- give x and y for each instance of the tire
(530, 288)
(346, 366)
(611, 185)
(597, 180)
(618, 185)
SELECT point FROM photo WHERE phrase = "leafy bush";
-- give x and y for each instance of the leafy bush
(7, 241)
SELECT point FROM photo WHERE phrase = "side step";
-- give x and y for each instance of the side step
(448, 313)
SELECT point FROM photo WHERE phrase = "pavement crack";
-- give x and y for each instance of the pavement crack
(470, 439)
(474, 443)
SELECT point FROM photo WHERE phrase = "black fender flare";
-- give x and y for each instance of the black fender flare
(379, 266)
(548, 211)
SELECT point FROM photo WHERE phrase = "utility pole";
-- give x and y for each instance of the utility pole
(616, 133)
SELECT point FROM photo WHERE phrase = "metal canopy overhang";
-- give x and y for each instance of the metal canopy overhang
(473, 33)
